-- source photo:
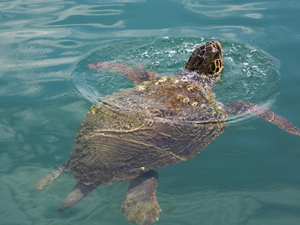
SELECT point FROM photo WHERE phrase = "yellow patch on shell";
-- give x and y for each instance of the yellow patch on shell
(194, 104)
(141, 87)
(186, 100)
(163, 79)
(190, 88)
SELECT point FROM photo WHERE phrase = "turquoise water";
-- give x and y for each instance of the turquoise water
(249, 175)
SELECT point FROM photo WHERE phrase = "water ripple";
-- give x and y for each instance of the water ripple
(225, 10)
(248, 206)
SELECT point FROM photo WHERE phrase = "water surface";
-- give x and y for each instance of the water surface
(249, 175)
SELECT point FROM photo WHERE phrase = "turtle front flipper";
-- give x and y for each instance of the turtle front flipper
(79, 192)
(137, 74)
(50, 178)
(262, 112)
(140, 205)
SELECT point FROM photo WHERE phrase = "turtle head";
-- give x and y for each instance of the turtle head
(207, 59)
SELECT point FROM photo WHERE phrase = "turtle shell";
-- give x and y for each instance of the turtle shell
(155, 124)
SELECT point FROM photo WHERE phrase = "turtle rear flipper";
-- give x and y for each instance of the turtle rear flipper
(50, 178)
(137, 73)
(140, 205)
(79, 192)
(262, 112)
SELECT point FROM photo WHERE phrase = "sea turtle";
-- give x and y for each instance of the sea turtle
(158, 123)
